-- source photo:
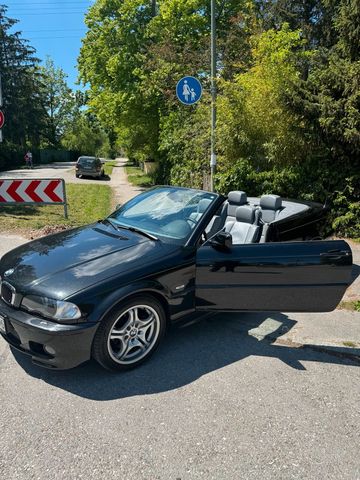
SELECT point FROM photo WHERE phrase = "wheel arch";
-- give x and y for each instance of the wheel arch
(132, 294)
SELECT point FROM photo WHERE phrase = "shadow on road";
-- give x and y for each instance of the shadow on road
(355, 272)
(187, 354)
(105, 178)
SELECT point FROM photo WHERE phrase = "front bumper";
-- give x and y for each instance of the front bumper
(49, 344)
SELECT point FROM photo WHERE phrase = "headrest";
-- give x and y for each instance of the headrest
(271, 202)
(245, 214)
(203, 205)
(237, 197)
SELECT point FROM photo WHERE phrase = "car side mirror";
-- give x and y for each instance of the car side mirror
(221, 240)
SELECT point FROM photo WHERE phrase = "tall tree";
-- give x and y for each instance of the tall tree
(21, 83)
(59, 102)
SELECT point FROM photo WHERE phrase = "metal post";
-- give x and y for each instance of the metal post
(1, 96)
(65, 199)
(213, 93)
(153, 8)
(1, 104)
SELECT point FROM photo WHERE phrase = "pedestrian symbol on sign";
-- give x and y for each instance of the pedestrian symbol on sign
(186, 90)
(189, 90)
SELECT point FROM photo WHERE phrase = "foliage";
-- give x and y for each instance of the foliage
(288, 94)
(347, 205)
(58, 101)
(85, 135)
(22, 94)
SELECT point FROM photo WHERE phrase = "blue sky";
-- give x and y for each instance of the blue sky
(54, 28)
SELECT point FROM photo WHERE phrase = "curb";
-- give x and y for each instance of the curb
(336, 350)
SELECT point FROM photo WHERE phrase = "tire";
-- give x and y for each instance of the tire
(77, 175)
(129, 334)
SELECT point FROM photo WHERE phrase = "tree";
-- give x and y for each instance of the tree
(85, 135)
(21, 83)
(288, 92)
(59, 102)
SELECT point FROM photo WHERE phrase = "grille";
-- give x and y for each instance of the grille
(7, 292)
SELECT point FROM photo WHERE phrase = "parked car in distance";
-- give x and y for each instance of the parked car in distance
(108, 290)
(89, 167)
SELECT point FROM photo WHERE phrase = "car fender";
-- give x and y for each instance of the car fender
(122, 294)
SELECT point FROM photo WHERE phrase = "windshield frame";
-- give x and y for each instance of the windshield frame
(167, 237)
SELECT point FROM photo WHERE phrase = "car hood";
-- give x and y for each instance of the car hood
(67, 262)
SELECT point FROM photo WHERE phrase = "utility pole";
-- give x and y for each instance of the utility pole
(153, 8)
(213, 93)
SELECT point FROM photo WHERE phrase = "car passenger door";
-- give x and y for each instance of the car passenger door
(285, 276)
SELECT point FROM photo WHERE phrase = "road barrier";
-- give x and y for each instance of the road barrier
(45, 191)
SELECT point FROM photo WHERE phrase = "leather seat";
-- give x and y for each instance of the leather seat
(202, 206)
(236, 198)
(270, 206)
(245, 228)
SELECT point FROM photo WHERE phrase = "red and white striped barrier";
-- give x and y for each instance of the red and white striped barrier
(47, 191)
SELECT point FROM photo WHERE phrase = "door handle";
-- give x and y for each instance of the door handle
(334, 254)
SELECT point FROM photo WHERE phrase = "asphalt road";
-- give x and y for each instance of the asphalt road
(214, 402)
(65, 170)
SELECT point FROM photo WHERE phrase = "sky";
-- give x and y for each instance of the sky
(54, 28)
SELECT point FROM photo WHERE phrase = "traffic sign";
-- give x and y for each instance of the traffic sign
(189, 90)
(45, 191)
(2, 118)
(32, 191)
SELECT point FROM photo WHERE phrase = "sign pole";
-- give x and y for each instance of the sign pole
(213, 93)
(1, 104)
(1, 97)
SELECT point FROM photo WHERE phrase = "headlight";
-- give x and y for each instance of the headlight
(48, 307)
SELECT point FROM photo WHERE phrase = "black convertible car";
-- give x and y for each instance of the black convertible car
(108, 290)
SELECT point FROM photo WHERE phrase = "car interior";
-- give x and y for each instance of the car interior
(247, 219)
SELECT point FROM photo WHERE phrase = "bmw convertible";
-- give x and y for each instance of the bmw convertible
(109, 290)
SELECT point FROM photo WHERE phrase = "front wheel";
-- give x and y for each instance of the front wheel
(129, 334)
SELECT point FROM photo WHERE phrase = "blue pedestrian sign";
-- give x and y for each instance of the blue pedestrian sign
(189, 90)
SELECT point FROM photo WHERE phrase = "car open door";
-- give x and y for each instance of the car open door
(291, 276)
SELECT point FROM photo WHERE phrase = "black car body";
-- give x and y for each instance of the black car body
(89, 167)
(173, 260)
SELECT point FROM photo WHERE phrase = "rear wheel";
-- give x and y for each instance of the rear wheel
(130, 333)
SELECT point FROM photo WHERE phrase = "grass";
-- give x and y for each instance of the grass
(86, 203)
(352, 305)
(108, 167)
(349, 344)
(137, 177)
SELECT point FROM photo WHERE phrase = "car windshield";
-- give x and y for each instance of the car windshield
(86, 161)
(168, 213)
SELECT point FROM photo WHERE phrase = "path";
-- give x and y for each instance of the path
(123, 190)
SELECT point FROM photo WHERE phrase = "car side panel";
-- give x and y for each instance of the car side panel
(174, 285)
(293, 276)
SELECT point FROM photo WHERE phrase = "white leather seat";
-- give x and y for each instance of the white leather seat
(245, 228)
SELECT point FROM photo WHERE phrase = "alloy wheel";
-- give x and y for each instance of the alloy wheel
(133, 334)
